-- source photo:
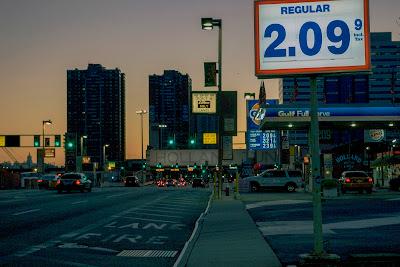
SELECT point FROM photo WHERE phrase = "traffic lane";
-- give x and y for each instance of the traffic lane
(350, 226)
(38, 210)
(25, 226)
(161, 238)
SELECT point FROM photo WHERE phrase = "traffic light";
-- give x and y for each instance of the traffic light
(36, 141)
(171, 141)
(144, 166)
(192, 141)
(69, 141)
(57, 140)
(47, 142)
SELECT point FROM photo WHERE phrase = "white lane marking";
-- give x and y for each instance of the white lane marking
(157, 215)
(78, 202)
(393, 199)
(275, 203)
(306, 227)
(24, 212)
(174, 207)
(163, 210)
(144, 219)
(118, 195)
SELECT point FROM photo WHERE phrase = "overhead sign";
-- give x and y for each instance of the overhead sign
(209, 138)
(204, 102)
(262, 140)
(302, 37)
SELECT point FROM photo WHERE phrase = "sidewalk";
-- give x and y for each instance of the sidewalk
(227, 236)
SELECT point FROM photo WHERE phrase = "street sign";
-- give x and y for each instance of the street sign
(303, 37)
(209, 138)
(49, 152)
(204, 102)
(2, 140)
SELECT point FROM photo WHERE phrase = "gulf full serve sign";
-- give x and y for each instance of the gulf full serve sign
(303, 37)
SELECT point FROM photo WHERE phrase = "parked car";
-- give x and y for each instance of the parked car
(48, 181)
(73, 181)
(395, 184)
(182, 182)
(161, 183)
(131, 181)
(356, 181)
(276, 179)
(198, 182)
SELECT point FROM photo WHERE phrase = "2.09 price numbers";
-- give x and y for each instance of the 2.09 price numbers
(341, 37)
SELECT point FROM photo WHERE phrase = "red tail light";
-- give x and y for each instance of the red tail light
(39, 181)
(78, 182)
(370, 180)
(347, 180)
(58, 181)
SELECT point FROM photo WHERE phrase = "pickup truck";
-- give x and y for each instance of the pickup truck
(276, 179)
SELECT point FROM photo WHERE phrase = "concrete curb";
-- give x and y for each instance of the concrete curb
(189, 245)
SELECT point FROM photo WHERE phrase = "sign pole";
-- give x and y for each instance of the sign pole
(316, 169)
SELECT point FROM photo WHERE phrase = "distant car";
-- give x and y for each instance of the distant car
(73, 181)
(276, 179)
(356, 181)
(131, 181)
(182, 182)
(198, 182)
(48, 181)
(395, 184)
(161, 183)
(170, 182)
(28, 179)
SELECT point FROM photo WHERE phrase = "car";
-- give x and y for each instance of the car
(275, 179)
(131, 181)
(356, 181)
(395, 184)
(73, 181)
(170, 182)
(198, 182)
(161, 183)
(182, 182)
(47, 181)
(29, 179)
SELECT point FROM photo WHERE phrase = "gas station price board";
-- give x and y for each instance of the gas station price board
(303, 37)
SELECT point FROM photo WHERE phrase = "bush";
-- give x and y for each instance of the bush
(329, 183)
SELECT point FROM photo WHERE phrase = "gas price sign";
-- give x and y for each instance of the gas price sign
(303, 37)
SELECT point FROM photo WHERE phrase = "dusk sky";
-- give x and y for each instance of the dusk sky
(41, 39)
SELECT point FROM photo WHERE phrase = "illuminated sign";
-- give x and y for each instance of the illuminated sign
(262, 140)
(374, 135)
(300, 37)
(204, 102)
(49, 153)
(257, 114)
(2, 140)
(209, 138)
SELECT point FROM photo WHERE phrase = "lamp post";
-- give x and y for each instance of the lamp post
(83, 152)
(44, 123)
(104, 155)
(161, 127)
(208, 24)
(141, 113)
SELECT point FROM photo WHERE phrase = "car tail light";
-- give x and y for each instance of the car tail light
(77, 182)
(347, 180)
(40, 180)
(58, 181)
(370, 180)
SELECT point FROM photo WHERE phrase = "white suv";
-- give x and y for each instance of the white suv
(286, 179)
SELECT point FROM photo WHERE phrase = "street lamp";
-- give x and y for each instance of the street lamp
(161, 127)
(44, 123)
(208, 24)
(83, 152)
(104, 155)
(141, 113)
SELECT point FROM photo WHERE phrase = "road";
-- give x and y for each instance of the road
(113, 226)
(352, 224)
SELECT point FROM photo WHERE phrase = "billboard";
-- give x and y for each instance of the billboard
(183, 157)
(304, 37)
(255, 114)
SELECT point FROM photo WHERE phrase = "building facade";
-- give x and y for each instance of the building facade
(169, 110)
(96, 109)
